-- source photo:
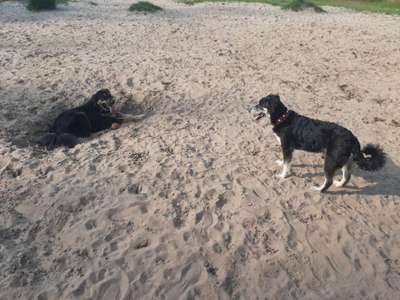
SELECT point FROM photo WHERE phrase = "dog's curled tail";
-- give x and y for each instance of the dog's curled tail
(370, 158)
(52, 140)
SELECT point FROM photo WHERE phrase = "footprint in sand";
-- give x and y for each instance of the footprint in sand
(329, 259)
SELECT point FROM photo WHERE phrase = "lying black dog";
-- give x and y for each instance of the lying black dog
(95, 115)
(340, 146)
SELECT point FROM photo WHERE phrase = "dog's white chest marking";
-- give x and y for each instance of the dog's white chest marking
(277, 138)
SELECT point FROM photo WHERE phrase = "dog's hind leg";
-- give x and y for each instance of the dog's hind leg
(346, 175)
(327, 183)
(330, 168)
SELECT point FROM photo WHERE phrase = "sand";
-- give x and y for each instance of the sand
(184, 204)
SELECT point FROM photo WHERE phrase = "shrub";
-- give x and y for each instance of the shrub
(297, 5)
(144, 6)
(41, 4)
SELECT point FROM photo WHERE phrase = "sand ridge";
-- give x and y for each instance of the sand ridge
(184, 204)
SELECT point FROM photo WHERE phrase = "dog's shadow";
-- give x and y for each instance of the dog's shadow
(383, 182)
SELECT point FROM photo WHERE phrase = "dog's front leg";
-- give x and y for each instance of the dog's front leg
(286, 163)
(133, 118)
(120, 118)
(279, 161)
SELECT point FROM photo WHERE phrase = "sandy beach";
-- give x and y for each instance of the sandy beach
(184, 204)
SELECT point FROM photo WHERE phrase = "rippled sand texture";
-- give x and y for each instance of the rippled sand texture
(184, 204)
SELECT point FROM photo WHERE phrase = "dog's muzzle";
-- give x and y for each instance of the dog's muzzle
(257, 112)
(107, 106)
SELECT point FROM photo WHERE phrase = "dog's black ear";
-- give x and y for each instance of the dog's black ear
(105, 92)
(274, 98)
(269, 101)
(275, 107)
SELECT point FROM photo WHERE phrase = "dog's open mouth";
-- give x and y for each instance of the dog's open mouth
(106, 107)
(257, 112)
(259, 116)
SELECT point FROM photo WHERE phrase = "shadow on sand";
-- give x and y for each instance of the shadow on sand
(385, 182)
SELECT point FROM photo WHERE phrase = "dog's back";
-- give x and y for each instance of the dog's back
(315, 135)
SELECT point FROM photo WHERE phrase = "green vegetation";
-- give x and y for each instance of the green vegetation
(297, 5)
(41, 4)
(379, 6)
(144, 6)
(37, 5)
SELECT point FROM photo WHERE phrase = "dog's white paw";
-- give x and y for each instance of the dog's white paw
(282, 175)
(316, 188)
(338, 183)
(279, 162)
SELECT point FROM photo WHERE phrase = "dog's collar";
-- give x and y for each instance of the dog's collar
(282, 118)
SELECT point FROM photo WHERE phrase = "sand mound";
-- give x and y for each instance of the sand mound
(184, 204)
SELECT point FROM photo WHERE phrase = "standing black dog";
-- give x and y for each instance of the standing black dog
(95, 115)
(341, 147)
